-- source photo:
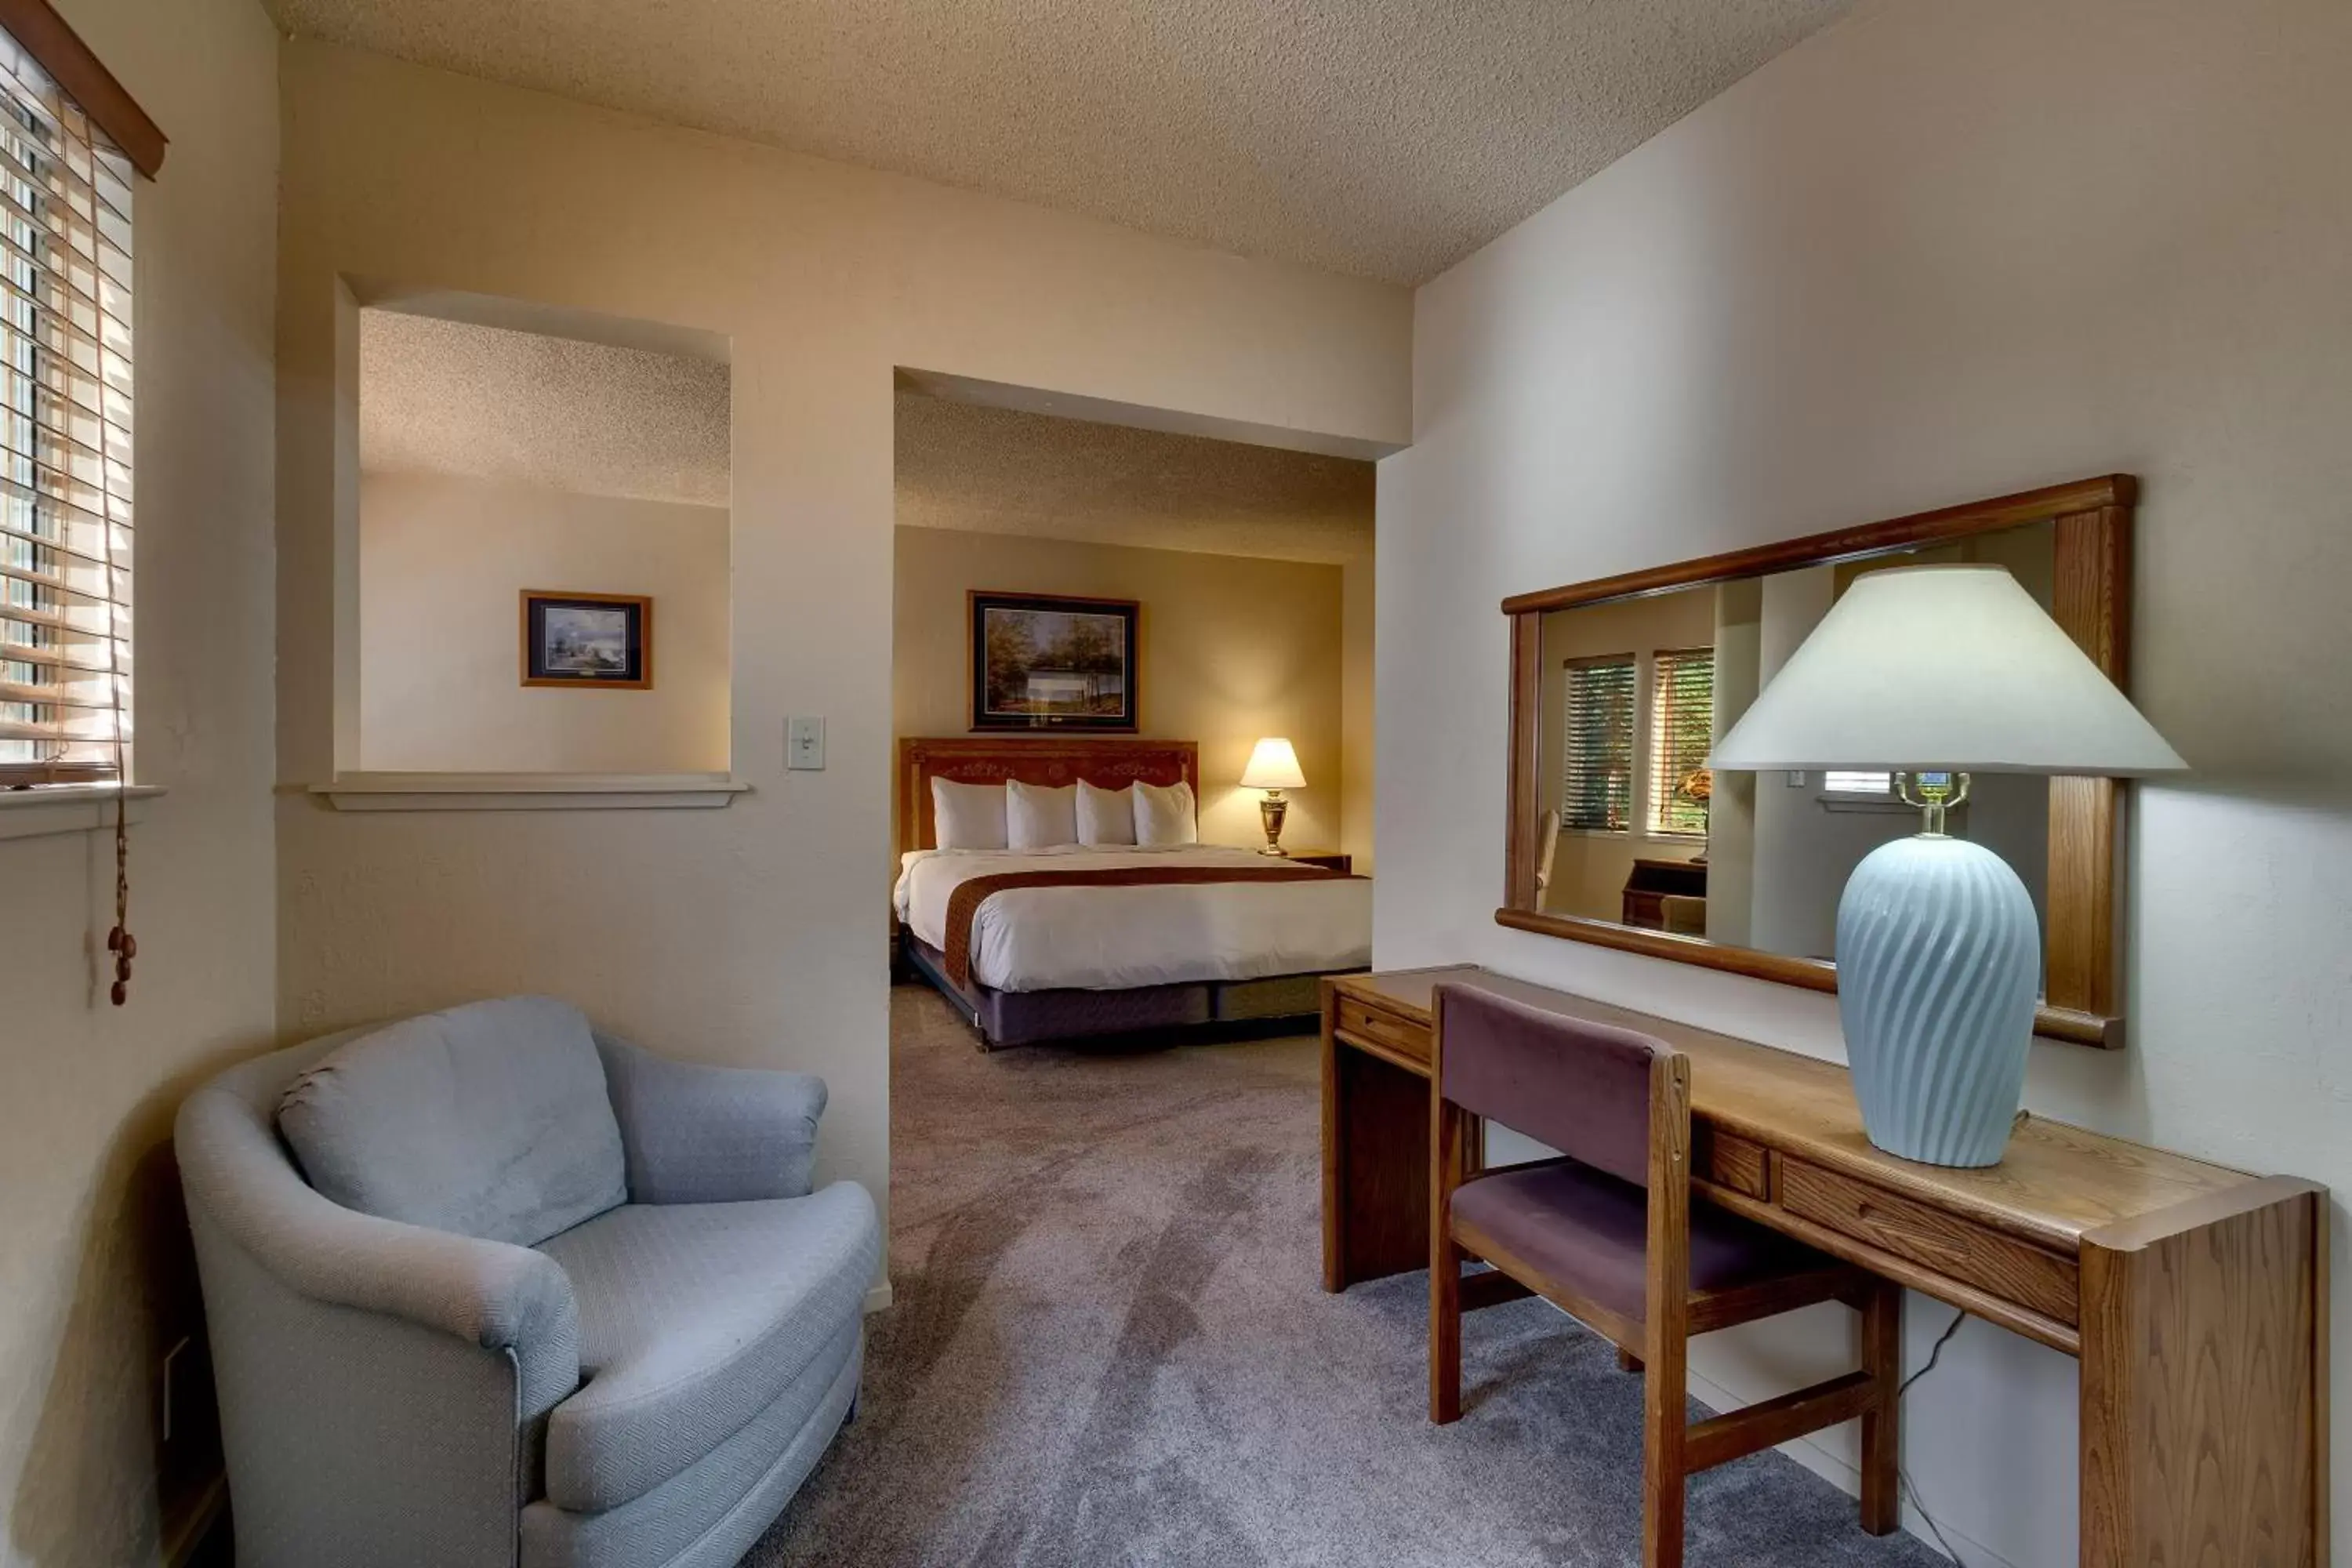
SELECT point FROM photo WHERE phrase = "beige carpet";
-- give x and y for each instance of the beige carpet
(1110, 1346)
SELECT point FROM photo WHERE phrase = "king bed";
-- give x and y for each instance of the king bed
(1041, 923)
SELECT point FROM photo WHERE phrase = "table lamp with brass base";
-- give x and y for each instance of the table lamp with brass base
(1273, 767)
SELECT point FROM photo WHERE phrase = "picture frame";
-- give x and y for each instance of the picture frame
(598, 641)
(1052, 661)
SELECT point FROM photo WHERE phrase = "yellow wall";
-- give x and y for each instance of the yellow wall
(1233, 648)
(94, 1273)
(728, 935)
(442, 563)
(1357, 663)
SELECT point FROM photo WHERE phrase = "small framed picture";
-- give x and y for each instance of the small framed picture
(587, 639)
(1041, 661)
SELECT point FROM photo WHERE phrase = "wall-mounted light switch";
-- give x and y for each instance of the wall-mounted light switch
(804, 743)
(1795, 779)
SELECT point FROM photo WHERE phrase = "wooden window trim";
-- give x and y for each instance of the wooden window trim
(41, 33)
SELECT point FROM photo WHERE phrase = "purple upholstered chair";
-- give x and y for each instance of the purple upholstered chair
(1611, 1233)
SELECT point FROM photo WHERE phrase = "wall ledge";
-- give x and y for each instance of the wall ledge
(52, 809)
(529, 792)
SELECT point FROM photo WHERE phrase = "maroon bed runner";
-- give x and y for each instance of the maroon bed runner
(965, 901)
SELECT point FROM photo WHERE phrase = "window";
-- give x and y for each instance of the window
(1866, 786)
(1596, 792)
(1682, 729)
(64, 436)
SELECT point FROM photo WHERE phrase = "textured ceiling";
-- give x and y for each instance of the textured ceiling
(1388, 138)
(1003, 470)
(486, 403)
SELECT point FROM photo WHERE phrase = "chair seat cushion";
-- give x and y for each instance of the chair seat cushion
(1588, 1232)
(694, 1319)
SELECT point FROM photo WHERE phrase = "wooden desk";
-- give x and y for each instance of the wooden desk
(1651, 882)
(2195, 1296)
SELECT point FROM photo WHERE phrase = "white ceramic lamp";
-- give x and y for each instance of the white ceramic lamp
(1273, 767)
(1943, 672)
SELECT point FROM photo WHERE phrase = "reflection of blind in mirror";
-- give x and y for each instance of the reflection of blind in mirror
(1682, 726)
(1839, 782)
(1598, 767)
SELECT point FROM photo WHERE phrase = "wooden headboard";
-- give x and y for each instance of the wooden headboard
(1107, 762)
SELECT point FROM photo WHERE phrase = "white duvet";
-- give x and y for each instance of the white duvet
(1111, 939)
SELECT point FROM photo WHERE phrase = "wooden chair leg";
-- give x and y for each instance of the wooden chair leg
(1444, 1330)
(1882, 1426)
(1452, 1132)
(1665, 1482)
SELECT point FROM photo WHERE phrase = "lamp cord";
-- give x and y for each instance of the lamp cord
(1903, 1476)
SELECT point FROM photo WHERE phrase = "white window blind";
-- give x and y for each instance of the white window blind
(64, 436)
(1597, 790)
(1682, 729)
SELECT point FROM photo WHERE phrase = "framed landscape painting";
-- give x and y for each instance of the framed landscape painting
(587, 639)
(1040, 661)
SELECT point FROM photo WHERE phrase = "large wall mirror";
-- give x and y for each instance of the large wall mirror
(1621, 835)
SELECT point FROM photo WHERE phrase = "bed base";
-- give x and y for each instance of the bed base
(1001, 1019)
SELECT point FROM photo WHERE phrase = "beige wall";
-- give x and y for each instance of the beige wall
(730, 935)
(1932, 254)
(95, 1281)
(1233, 648)
(442, 563)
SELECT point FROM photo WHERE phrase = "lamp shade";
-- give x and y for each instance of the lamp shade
(1273, 765)
(1943, 667)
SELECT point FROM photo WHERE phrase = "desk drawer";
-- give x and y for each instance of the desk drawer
(1730, 1161)
(1933, 1238)
(1384, 1029)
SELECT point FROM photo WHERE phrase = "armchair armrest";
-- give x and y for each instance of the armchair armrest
(698, 1134)
(491, 1294)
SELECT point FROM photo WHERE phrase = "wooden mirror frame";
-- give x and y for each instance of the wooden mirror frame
(2091, 599)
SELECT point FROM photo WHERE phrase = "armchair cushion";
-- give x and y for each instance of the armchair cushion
(489, 1120)
(694, 1319)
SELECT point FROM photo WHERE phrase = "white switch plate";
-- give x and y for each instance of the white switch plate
(803, 744)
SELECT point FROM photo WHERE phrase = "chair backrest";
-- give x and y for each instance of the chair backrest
(1682, 914)
(491, 1119)
(1582, 1088)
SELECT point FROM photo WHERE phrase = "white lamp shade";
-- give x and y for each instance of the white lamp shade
(1943, 667)
(1273, 765)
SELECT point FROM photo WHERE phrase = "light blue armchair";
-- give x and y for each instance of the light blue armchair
(485, 1288)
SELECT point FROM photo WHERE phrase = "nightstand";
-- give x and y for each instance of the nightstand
(1331, 859)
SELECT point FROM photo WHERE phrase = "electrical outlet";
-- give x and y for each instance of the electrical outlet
(804, 744)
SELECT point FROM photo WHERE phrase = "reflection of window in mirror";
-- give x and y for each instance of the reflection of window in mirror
(1597, 768)
(1859, 785)
(1682, 724)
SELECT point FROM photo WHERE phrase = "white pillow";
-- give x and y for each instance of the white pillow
(1036, 817)
(968, 816)
(1106, 815)
(1163, 816)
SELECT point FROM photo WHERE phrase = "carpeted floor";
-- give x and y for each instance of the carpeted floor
(1110, 1346)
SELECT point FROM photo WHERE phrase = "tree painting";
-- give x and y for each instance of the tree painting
(1042, 662)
